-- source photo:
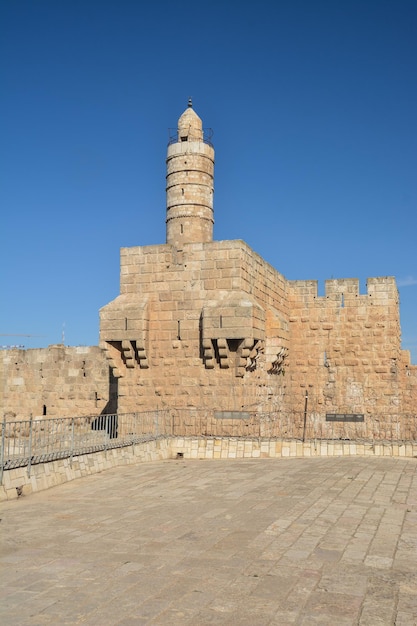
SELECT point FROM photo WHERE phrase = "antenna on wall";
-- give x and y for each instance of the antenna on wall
(63, 333)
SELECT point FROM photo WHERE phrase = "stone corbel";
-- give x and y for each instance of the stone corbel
(208, 354)
(141, 355)
(242, 358)
(251, 352)
(128, 353)
(277, 365)
(223, 351)
(112, 363)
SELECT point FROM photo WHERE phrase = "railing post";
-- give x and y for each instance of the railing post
(305, 415)
(72, 441)
(3, 437)
(106, 434)
(30, 444)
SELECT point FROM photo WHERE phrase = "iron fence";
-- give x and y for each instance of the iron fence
(27, 442)
(293, 425)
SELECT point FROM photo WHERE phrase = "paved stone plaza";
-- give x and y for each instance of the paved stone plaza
(288, 541)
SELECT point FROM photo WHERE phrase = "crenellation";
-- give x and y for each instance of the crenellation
(303, 288)
(346, 287)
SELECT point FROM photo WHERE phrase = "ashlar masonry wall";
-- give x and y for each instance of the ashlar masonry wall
(54, 382)
(205, 325)
(346, 347)
(214, 326)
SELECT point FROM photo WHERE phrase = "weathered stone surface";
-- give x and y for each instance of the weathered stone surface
(54, 381)
(229, 542)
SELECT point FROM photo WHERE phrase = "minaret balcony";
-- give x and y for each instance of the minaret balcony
(173, 137)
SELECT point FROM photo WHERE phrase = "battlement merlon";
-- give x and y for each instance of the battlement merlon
(344, 290)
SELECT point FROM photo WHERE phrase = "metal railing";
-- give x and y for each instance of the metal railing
(294, 425)
(28, 442)
(173, 136)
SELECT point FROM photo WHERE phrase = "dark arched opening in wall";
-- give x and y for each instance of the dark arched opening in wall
(112, 405)
(107, 420)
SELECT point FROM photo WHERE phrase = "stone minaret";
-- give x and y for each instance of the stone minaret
(190, 169)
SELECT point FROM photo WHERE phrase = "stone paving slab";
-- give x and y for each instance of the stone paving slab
(329, 541)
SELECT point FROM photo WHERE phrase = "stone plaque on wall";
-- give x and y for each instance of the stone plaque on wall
(245, 415)
(345, 417)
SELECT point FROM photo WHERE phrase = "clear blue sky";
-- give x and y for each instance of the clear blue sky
(313, 106)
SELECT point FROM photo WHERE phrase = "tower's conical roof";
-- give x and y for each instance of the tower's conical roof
(190, 126)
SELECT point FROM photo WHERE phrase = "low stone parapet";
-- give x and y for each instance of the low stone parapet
(239, 448)
(22, 480)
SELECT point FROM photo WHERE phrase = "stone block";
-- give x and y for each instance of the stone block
(306, 450)
(338, 449)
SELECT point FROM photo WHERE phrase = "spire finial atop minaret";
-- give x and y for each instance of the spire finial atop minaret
(190, 103)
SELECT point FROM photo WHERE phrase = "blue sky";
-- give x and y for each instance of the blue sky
(313, 106)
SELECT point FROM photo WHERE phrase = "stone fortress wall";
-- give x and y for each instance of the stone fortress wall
(56, 381)
(354, 356)
(210, 324)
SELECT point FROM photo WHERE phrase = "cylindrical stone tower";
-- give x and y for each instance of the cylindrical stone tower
(190, 170)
